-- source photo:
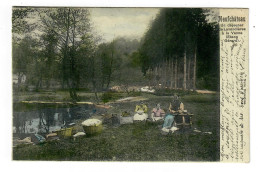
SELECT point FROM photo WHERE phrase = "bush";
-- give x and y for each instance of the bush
(135, 93)
(110, 96)
(171, 92)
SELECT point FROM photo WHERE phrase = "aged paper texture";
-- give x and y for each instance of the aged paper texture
(234, 85)
(195, 58)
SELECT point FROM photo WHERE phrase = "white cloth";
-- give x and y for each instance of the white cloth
(154, 118)
(126, 120)
(174, 129)
(171, 129)
(78, 134)
(157, 118)
(91, 122)
(165, 130)
(140, 117)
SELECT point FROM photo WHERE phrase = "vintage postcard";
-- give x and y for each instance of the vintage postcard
(130, 84)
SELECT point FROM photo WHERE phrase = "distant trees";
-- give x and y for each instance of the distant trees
(179, 50)
(63, 48)
(69, 26)
(49, 52)
(114, 63)
(64, 41)
(174, 40)
(19, 23)
(108, 62)
(23, 55)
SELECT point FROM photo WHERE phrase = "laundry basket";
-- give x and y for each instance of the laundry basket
(65, 132)
(92, 126)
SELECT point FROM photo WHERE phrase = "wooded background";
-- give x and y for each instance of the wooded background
(59, 48)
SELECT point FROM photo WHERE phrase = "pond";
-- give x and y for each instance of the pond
(45, 118)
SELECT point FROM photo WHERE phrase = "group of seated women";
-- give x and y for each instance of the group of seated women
(175, 107)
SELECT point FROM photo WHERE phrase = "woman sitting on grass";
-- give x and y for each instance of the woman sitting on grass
(141, 112)
(157, 113)
(175, 107)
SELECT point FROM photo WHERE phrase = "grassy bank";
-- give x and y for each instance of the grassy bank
(134, 142)
(141, 141)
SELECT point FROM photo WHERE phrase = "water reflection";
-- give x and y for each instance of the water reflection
(47, 119)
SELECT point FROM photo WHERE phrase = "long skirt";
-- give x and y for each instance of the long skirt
(168, 121)
(140, 117)
(155, 118)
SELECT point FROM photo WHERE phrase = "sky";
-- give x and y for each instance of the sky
(111, 23)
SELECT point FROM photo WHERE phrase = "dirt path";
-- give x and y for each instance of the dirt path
(206, 92)
(131, 99)
(79, 103)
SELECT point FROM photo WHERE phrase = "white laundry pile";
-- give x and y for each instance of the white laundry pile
(157, 118)
(173, 129)
(26, 140)
(198, 131)
(91, 122)
(166, 130)
(126, 120)
(78, 134)
(140, 116)
(146, 89)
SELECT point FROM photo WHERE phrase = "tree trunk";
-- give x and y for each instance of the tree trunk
(184, 71)
(175, 73)
(149, 78)
(165, 75)
(161, 76)
(69, 61)
(153, 78)
(73, 72)
(20, 75)
(156, 77)
(39, 83)
(188, 73)
(194, 69)
(172, 74)
(93, 76)
(111, 68)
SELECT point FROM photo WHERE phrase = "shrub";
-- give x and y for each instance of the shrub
(171, 92)
(110, 96)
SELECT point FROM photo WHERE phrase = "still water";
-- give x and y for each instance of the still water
(42, 118)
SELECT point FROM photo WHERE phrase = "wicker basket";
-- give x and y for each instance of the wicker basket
(92, 129)
(65, 133)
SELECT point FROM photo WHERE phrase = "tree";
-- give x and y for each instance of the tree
(25, 53)
(19, 23)
(174, 35)
(69, 26)
(194, 69)
(49, 53)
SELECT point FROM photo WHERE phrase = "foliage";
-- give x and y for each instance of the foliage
(56, 48)
(110, 96)
(171, 92)
(177, 33)
(19, 23)
(65, 44)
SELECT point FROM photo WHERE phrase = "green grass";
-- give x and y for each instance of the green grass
(141, 141)
(136, 142)
(111, 96)
(171, 92)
